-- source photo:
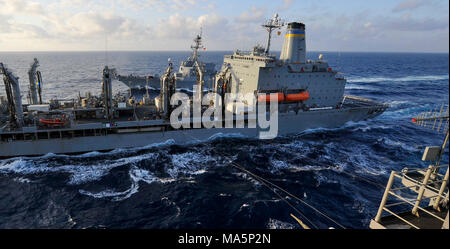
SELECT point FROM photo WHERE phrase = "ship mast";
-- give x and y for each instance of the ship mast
(270, 25)
(197, 45)
(33, 98)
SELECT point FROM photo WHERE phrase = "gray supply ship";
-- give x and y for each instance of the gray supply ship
(186, 75)
(310, 95)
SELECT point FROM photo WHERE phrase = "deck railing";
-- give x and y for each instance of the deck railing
(431, 177)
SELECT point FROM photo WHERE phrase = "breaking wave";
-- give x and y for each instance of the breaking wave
(137, 175)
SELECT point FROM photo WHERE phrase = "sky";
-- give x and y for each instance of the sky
(331, 25)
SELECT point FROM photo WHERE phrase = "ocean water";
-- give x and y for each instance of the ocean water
(341, 172)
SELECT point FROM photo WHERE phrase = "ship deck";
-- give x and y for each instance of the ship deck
(424, 221)
(142, 116)
(355, 101)
(141, 112)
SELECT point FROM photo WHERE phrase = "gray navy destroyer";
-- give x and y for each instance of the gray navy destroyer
(310, 94)
(186, 76)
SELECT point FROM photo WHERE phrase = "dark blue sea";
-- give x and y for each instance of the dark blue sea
(341, 172)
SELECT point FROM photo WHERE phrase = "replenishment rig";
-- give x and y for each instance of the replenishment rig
(308, 94)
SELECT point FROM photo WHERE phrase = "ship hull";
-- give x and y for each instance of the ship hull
(288, 123)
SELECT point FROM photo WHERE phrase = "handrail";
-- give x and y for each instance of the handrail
(426, 211)
(419, 183)
(420, 169)
(403, 202)
(424, 185)
(427, 187)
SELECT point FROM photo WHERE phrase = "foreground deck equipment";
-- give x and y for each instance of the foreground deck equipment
(428, 186)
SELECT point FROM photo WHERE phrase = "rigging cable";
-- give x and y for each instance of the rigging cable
(266, 183)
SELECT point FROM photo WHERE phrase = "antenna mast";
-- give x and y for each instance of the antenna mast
(197, 45)
(437, 121)
(270, 25)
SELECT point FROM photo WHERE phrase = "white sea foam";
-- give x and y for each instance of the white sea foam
(368, 128)
(168, 202)
(323, 179)
(400, 79)
(393, 143)
(345, 126)
(79, 173)
(397, 103)
(309, 168)
(278, 164)
(190, 163)
(226, 135)
(136, 175)
(158, 145)
(359, 87)
(22, 180)
(247, 177)
(371, 171)
(245, 205)
(276, 224)
(366, 164)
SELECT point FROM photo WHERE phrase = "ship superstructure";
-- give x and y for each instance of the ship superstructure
(308, 94)
(290, 75)
(186, 76)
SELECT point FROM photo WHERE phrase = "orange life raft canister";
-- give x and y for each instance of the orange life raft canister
(302, 96)
(297, 96)
(266, 98)
(55, 121)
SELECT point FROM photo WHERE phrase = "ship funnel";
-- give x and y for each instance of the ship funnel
(294, 46)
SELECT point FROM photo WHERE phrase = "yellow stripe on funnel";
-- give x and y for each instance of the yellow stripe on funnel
(295, 35)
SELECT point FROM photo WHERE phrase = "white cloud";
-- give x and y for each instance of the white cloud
(254, 14)
(181, 27)
(5, 25)
(21, 7)
(155, 25)
(286, 5)
(91, 25)
(409, 5)
(179, 5)
(411, 24)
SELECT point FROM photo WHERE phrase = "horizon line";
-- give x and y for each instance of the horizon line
(315, 51)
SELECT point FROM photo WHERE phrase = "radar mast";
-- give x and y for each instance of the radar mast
(270, 25)
(197, 45)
